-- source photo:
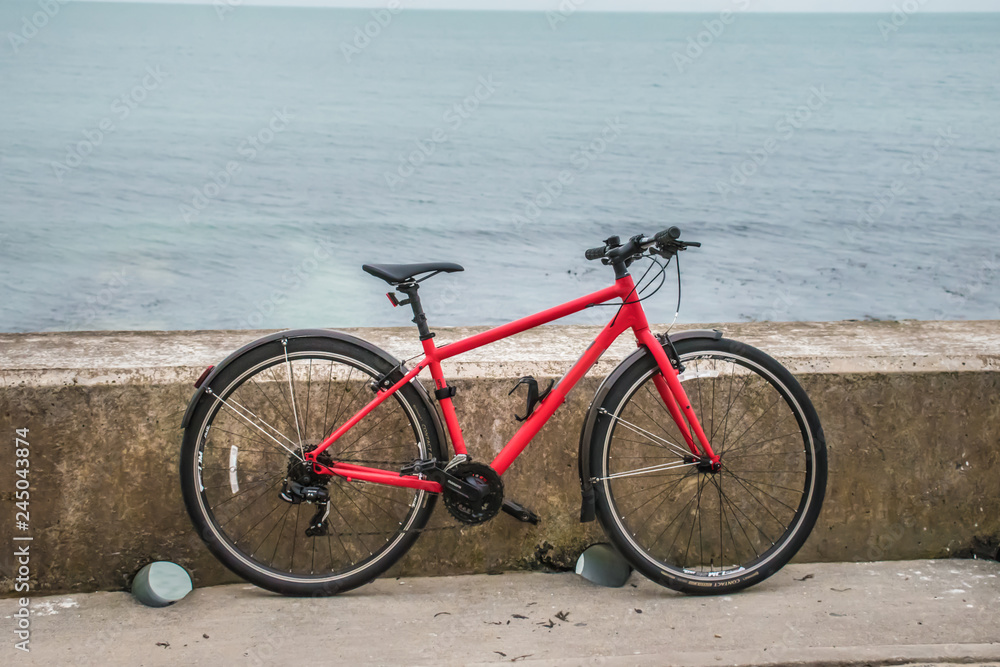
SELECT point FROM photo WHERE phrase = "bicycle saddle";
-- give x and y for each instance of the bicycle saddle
(402, 273)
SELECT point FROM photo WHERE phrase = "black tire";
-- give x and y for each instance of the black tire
(226, 457)
(727, 529)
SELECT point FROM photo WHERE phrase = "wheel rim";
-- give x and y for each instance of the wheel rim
(239, 489)
(701, 524)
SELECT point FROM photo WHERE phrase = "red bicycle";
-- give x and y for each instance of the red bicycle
(703, 501)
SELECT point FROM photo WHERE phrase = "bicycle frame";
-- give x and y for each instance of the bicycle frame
(630, 316)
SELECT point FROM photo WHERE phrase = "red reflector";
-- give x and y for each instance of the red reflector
(392, 299)
(197, 384)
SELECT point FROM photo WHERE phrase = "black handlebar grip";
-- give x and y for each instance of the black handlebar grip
(596, 253)
(671, 234)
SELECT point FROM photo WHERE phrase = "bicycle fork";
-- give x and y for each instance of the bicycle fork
(668, 385)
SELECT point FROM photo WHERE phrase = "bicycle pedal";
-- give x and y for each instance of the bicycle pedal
(520, 512)
(418, 467)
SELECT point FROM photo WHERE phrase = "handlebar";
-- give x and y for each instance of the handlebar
(666, 243)
(671, 234)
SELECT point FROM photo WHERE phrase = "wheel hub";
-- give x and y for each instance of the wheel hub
(302, 482)
(704, 464)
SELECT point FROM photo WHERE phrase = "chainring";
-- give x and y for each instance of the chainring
(474, 513)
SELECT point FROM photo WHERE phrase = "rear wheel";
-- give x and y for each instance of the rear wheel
(683, 524)
(242, 457)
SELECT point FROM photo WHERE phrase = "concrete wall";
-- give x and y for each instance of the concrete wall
(910, 409)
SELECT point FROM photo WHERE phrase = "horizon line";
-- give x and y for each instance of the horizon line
(319, 4)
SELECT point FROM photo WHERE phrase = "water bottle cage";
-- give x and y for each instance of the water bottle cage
(534, 398)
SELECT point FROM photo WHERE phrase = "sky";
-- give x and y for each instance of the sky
(877, 6)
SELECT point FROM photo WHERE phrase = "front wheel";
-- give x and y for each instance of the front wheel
(679, 522)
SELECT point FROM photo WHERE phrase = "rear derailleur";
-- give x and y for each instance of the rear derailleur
(303, 485)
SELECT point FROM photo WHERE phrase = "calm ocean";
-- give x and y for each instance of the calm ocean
(168, 167)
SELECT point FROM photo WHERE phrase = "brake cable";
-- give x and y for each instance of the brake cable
(662, 275)
(678, 309)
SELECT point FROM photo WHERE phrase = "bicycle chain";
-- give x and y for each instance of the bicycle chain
(384, 532)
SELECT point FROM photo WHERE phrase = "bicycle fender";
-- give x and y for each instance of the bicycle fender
(311, 333)
(588, 512)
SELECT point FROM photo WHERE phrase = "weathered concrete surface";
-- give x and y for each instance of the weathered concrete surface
(943, 611)
(910, 410)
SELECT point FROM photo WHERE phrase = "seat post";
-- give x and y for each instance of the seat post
(419, 318)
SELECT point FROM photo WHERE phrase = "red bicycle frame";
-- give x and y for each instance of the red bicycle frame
(629, 316)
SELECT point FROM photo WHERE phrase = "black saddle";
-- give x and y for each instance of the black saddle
(404, 273)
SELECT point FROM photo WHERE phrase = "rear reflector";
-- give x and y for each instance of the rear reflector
(197, 384)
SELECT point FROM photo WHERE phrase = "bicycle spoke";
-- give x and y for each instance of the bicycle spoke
(729, 453)
(291, 390)
(640, 431)
(240, 414)
(326, 404)
(699, 523)
(747, 481)
(278, 410)
(277, 541)
(668, 488)
(340, 401)
(658, 401)
(733, 509)
(755, 422)
(643, 471)
(711, 438)
(291, 562)
(305, 417)
(252, 437)
(725, 430)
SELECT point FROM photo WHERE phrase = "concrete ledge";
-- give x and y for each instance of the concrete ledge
(910, 410)
(835, 615)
